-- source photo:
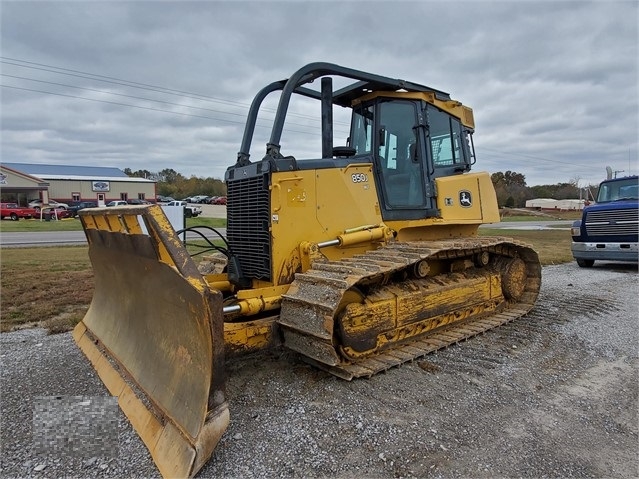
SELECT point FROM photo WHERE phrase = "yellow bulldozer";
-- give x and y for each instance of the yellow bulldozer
(359, 260)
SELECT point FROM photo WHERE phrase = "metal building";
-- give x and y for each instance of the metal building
(24, 182)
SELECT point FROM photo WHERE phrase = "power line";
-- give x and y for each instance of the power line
(148, 108)
(510, 154)
(243, 115)
(144, 86)
(132, 84)
(121, 94)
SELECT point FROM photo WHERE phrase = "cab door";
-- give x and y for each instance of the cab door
(400, 159)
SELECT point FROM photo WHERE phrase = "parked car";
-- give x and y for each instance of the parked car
(37, 204)
(117, 203)
(164, 199)
(80, 205)
(50, 213)
(220, 200)
(189, 211)
(135, 201)
(15, 212)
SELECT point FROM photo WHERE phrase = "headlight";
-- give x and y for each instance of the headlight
(574, 231)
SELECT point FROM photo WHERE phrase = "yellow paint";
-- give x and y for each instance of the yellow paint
(411, 309)
(455, 220)
(361, 235)
(484, 207)
(250, 335)
(262, 292)
(314, 206)
(455, 108)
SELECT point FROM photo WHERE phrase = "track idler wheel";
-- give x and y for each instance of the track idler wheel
(513, 277)
(421, 269)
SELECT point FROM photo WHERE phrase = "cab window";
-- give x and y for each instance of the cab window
(362, 130)
(397, 154)
(445, 139)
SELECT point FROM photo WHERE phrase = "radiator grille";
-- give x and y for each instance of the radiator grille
(247, 229)
(612, 222)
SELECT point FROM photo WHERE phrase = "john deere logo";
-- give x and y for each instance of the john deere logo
(465, 199)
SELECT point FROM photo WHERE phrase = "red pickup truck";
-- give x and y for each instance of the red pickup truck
(15, 212)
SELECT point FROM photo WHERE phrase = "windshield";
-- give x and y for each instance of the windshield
(625, 189)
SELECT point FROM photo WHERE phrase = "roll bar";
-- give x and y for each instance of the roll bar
(367, 82)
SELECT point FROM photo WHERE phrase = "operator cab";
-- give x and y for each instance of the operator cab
(410, 133)
(411, 143)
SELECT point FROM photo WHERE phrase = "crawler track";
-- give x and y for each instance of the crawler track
(311, 316)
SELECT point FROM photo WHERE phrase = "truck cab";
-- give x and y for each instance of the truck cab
(608, 229)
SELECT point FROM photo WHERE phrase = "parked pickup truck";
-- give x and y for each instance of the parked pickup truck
(189, 210)
(15, 212)
(609, 229)
(80, 205)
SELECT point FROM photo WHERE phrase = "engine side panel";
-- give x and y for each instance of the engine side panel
(316, 206)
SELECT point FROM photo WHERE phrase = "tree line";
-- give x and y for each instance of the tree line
(510, 186)
(512, 191)
(171, 183)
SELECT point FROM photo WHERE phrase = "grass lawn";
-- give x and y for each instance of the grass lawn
(531, 215)
(73, 224)
(552, 245)
(67, 224)
(50, 287)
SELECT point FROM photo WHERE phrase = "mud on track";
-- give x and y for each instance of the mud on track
(554, 394)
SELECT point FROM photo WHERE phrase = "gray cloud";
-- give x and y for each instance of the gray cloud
(553, 84)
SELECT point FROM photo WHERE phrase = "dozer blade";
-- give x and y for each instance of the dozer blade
(154, 334)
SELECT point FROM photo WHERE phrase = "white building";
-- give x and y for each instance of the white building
(550, 204)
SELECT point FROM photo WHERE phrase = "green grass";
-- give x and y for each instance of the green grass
(212, 222)
(73, 224)
(67, 224)
(50, 287)
(551, 215)
(552, 245)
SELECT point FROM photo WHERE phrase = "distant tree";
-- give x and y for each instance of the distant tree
(141, 174)
(508, 178)
(497, 178)
(502, 194)
(541, 191)
(169, 175)
(514, 178)
(565, 191)
(171, 183)
(510, 188)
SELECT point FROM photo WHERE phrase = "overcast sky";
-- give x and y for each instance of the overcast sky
(154, 85)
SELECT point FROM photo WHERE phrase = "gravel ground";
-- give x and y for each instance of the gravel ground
(554, 394)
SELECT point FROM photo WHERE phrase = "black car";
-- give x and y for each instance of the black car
(80, 205)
